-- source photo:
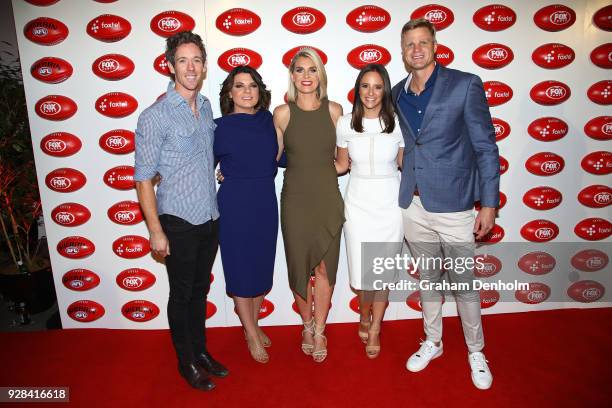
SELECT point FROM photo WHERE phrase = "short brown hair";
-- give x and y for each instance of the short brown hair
(418, 23)
(178, 39)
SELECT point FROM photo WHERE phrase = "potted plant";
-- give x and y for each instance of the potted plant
(25, 275)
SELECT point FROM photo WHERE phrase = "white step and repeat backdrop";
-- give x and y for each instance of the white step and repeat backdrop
(90, 67)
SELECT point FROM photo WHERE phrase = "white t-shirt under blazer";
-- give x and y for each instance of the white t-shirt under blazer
(370, 203)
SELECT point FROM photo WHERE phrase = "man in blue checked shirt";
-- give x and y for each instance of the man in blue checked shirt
(174, 140)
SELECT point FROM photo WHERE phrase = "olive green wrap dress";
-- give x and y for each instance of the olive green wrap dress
(312, 210)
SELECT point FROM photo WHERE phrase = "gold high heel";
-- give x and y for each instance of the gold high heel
(258, 353)
(308, 329)
(320, 355)
(371, 350)
(265, 340)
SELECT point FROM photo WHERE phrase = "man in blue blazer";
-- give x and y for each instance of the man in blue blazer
(450, 161)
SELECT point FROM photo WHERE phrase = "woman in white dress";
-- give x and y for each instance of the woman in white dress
(369, 142)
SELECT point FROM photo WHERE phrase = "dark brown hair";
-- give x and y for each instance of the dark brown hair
(418, 23)
(227, 104)
(387, 113)
(178, 39)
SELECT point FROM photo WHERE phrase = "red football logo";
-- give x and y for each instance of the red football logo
(75, 247)
(45, 31)
(354, 304)
(140, 310)
(597, 162)
(440, 16)
(80, 279)
(65, 180)
(170, 22)
(497, 93)
(494, 17)
(131, 246)
(265, 309)
(116, 104)
(537, 263)
(235, 57)
(495, 235)
(599, 128)
(60, 144)
(351, 96)
(502, 129)
(542, 198)
(545, 164)
(42, 3)
(503, 165)
(125, 213)
(486, 266)
(593, 229)
(601, 92)
(113, 67)
(595, 196)
(590, 260)
(118, 141)
(288, 56)
(366, 54)
(537, 293)
(303, 20)
(555, 17)
(109, 28)
(70, 214)
(135, 279)
(603, 18)
(51, 70)
(550, 93)
(120, 177)
(586, 291)
(488, 298)
(602, 55)
(547, 129)
(161, 65)
(492, 56)
(553, 56)
(55, 107)
(368, 19)
(444, 55)
(238, 21)
(85, 311)
(540, 231)
(211, 309)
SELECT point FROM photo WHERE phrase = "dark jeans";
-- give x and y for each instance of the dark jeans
(192, 252)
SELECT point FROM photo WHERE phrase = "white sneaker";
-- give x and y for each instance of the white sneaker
(419, 360)
(481, 376)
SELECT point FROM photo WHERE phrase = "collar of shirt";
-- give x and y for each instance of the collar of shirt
(428, 84)
(176, 99)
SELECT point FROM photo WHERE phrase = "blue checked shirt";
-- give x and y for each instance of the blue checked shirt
(171, 141)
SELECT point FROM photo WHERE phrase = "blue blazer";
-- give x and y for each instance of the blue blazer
(454, 159)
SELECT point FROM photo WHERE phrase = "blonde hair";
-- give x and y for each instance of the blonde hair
(308, 52)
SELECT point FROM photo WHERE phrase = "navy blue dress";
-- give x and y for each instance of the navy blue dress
(246, 147)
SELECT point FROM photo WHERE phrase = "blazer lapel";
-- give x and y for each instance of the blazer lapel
(399, 111)
(439, 90)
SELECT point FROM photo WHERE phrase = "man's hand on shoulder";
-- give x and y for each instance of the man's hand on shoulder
(485, 221)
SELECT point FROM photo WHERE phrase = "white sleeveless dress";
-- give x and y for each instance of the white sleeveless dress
(371, 208)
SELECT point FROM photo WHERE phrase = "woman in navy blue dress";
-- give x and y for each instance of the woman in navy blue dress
(246, 146)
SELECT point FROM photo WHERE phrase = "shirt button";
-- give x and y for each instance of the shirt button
(419, 111)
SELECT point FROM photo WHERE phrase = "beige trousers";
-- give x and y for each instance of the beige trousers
(443, 236)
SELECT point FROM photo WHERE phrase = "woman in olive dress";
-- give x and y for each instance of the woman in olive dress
(312, 210)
